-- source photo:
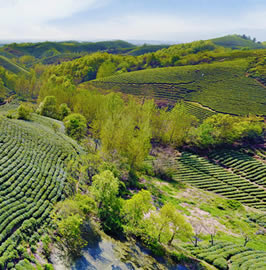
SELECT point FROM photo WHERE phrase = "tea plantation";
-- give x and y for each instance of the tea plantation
(32, 176)
(222, 86)
(244, 182)
(225, 255)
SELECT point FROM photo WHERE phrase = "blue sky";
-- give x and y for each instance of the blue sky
(165, 20)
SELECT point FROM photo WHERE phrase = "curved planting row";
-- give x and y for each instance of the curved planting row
(232, 257)
(198, 111)
(216, 85)
(242, 165)
(32, 175)
(160, 92)
(203, 174)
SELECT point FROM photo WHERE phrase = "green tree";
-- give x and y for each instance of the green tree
(227, 129)
(64, 111)
(70, 218)
(165, 225)
(76, 125)
(134, 209)
(70, 233)
(178, 124)
(2, 91)
(48, 107)
(105, 188)
(24, 112)
(171, 223)
(108, 68)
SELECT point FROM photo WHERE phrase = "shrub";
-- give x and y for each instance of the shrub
(24, 112)
(75, 125)
(233, 204)
(48, 267)
(64, 111)
(220, 263)
(48, 107)
(56, 127)
(163, 170)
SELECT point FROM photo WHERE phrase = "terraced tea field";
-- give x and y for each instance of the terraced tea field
(200, 112)
(225, 255)
(32, 176)
(222, 86)
(243, 181)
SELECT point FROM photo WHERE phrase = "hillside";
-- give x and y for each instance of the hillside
(32, 180)
(148, 157)
(45, 49)
(146, 49)
(237, 42)
(51, 49)
(10, 66)
(222, 86)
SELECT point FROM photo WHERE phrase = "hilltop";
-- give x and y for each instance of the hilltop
(238, 42)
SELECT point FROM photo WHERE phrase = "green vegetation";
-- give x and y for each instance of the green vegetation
(75, 126)
(45, 49)
(204, 174)
(238, 42)
(24, 112)
(224, 255)
(10, 66)
(32, 181)
(155, 164)
(221, 86)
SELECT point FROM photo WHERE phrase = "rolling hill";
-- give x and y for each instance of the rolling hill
(45, 49)
(12, 67)
(222, 86)
(237, 42)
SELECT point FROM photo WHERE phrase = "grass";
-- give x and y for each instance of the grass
(208, 208)
(222, 86)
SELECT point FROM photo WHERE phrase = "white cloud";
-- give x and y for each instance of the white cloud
(30, 18)
(151, 26)
(35, 19)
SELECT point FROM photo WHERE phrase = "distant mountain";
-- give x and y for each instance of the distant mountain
(152, 42)
(238, 42)
(45, 49)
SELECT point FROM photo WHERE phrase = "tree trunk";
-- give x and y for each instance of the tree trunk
(172, 238)
(212, 239)
(246, 241)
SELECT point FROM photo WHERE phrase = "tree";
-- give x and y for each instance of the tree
(2, 91)
(64, 111)
(197, 227)
(69, 230)
(171, 223)
(105, 188)
(108, 68)
(226, 129)
(76, 125)
(70, 218)
(48, 107)
(134, 209)
(24, 112)
(176, 125)
(212, 230)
